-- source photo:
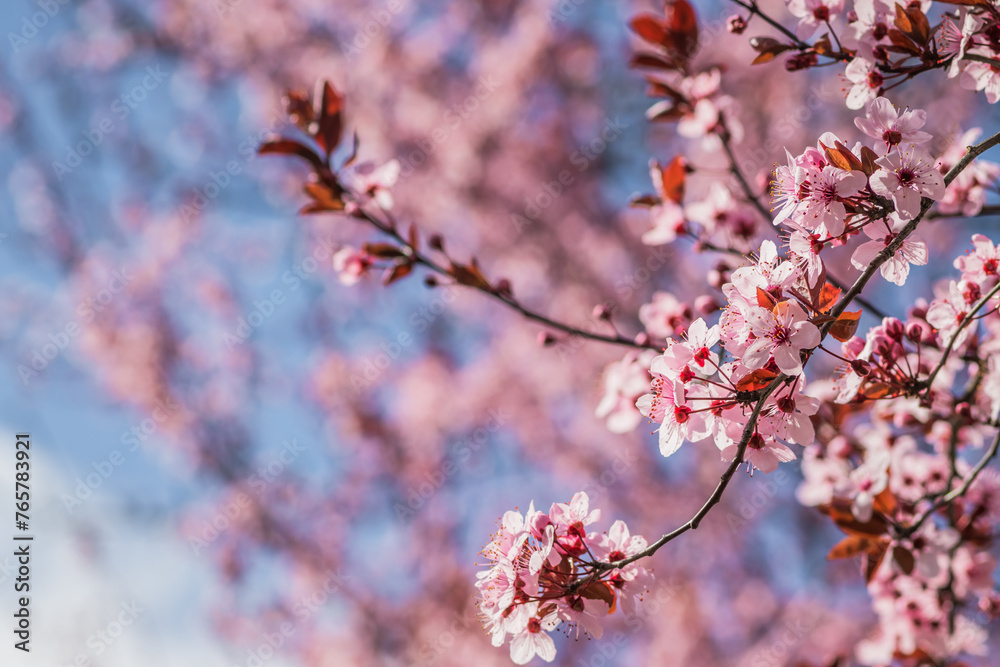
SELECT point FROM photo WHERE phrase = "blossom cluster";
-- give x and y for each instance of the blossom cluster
(923, 583)
(549, 570)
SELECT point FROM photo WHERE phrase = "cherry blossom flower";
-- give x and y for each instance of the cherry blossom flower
(668, 223)
(666, 407)
(665, 316)
(804, 248)
(982, 265)
(867, 82)
(782, 333)
(905, 176)
(867, 481)
(373, 183)
(982, 76)
(624, 382)
(813, 14)
(534, 639)
(882, 233)
(884, 123)
(822, 207)
(763, 454)
(352, 264)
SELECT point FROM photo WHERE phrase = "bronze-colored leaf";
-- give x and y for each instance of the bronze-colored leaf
(845, 326)
(323, 197)
(874, 558)
(383, 250)
(885, 502)
(828, 297)
(330, 121)
(875, 390)
(920, 30)
(282, 146)
(671, 185)
(904, 558)
(868, 157)
(850, 546)
(755, 380)
(765, 300)
(400, 270)
(469, 275)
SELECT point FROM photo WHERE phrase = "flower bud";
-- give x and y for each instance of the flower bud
(893, 329)
(915, 332)
(736, 24)
(861, 367)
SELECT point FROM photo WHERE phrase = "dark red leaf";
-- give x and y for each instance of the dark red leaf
(330, 121)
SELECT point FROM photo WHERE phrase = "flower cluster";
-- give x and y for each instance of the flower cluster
(921, 581)
(547, 572)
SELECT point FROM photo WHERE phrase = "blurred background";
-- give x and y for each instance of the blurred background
(238, 460)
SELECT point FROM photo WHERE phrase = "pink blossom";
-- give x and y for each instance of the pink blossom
(665, 316)
(982, 265)
(905, 176)
(624, 382)
(666, 407)
(882, 233)
(867, 82)
(822, 207)
(884, 123)
(813, 13)
(782, 333)
(352, 264)
(373, 183)
(763, 454)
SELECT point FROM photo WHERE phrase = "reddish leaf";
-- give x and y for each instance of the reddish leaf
(903, 43)
(652, 61)
(645, 201)
(767, 48)
(765, 300)
(845, 326)
(414, 237)
(469, 275)
(664, 111)
(649, 27)
(755, 380)
(874, 558)
(840, 513)
(397, 271)
(828, 297)
(850, 546)
(671, 179)
(822, 46)
(875, 390)
(324, 199)
(841, 157)
(903, 20)
(920, 29)
(281, 146)
(682, 23)
(299, 108)
(868, 157)
(330, 122)
(885, 502)
(600, 590)
(383, 250)
(904, 559)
